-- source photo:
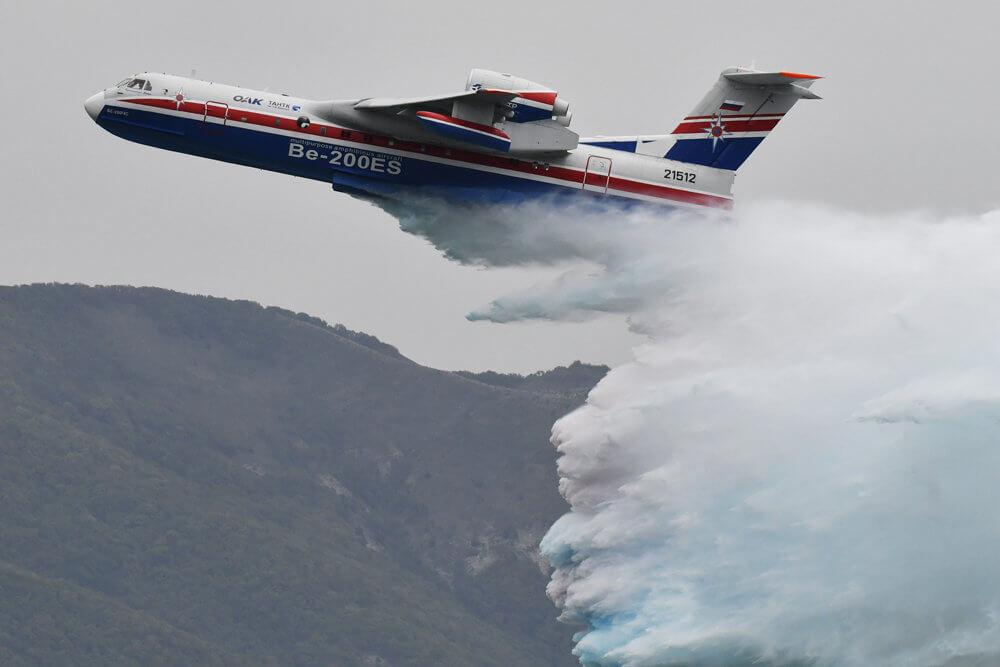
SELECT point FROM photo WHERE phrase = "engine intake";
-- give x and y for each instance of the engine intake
(534, 101)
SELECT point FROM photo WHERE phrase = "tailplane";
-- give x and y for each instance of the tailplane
(736, 115)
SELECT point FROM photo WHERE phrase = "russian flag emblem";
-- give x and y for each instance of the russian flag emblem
(730, 105)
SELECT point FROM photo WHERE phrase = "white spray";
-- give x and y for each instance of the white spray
(802, 465)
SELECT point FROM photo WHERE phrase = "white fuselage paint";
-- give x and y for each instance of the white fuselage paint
(625, 174)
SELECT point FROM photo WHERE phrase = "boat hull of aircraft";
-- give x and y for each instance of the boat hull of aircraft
(273, 152)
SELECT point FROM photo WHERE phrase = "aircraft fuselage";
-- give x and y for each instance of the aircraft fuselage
(328, 141)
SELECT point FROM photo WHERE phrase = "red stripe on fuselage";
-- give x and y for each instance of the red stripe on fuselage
(322, 131)
(158, 102)
(674, 194)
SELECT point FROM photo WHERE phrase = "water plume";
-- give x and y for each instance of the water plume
(800, 466)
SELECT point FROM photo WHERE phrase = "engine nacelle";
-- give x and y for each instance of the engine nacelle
(534, 101)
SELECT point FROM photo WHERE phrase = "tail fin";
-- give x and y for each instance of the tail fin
(735, 116)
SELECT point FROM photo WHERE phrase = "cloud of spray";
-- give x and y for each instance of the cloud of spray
(802, 464)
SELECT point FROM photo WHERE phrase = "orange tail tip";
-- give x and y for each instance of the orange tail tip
(798, 75)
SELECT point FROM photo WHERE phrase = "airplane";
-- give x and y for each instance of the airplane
(503, 138)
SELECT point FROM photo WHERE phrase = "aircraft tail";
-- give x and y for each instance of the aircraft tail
(736, 115)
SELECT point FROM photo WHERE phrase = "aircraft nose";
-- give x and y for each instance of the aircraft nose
(94, 104)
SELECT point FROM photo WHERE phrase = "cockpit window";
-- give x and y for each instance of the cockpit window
(148, 86)
(137, 84)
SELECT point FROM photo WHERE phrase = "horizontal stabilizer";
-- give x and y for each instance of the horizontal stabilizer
(790, 83)
(771, 78)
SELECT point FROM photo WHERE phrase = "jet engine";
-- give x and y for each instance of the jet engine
(498, 112)
(534, 102)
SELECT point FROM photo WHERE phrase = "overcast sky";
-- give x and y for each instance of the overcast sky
(905, 125)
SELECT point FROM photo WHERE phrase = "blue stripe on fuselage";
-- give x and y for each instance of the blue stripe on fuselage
(270, 151)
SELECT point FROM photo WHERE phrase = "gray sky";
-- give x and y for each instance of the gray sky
(904, 126)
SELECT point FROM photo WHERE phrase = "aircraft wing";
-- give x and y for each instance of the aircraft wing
(498, 112)
(484, 96)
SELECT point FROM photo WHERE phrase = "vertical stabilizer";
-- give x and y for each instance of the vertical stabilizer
(736, 115)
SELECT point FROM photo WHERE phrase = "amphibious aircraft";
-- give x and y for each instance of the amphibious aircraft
(501, 138)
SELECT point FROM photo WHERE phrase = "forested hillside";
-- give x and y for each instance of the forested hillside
(191, 480)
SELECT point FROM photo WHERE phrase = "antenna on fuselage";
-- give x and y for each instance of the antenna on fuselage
(194, 73)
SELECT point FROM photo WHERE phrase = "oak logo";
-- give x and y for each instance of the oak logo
(248, 100)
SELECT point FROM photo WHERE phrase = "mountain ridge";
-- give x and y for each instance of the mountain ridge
(283, 490)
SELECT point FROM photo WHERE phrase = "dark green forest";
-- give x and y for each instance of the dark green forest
(188, 480)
